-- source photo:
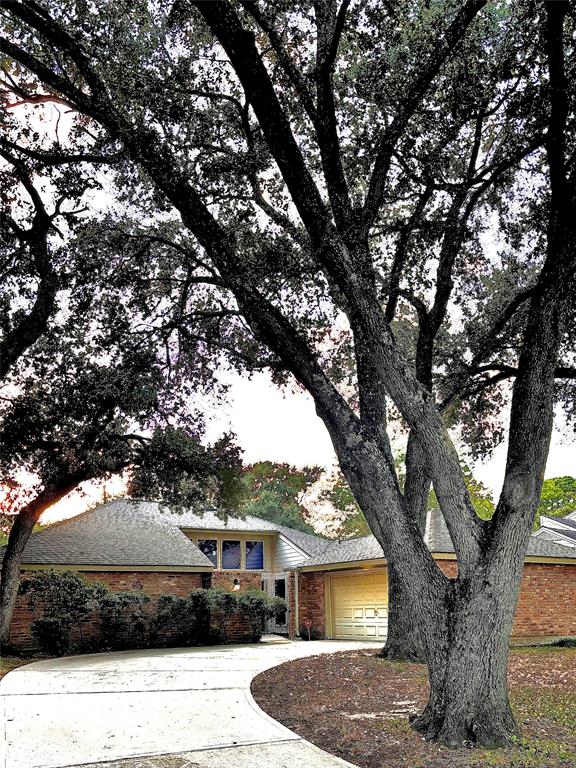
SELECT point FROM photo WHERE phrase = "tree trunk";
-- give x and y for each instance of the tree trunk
(403, 640)
(10, 579)
(17, 540)
(468, 703)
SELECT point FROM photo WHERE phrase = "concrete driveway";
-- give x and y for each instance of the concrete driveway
(187, 707)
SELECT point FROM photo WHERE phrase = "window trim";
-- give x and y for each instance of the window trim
(244, 538)
(255, 541)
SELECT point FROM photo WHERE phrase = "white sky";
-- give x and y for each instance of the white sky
(283, 427)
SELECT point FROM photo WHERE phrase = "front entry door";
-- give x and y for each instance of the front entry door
(276, 585)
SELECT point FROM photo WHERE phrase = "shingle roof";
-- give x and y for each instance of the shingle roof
(554, 534)
(209, 519)
(437, 540)
(139, 533)
(120, 533)
(130, 533)
(558, 522)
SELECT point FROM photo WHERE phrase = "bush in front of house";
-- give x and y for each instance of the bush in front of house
(69, 608)
(65, 601)
(123, 619)
(256, 606)
(181, 621)
(222, 604)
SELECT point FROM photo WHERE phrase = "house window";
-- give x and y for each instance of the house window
(255, 555)
(210, 548)
(231, 555)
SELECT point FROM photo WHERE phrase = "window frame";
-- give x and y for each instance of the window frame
(243, 540)
(241, 553)
(254, 541)
(217, 554)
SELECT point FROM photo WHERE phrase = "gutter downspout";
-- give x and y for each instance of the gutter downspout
(296, 606)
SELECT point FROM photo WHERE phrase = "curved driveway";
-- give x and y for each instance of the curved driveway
(192, 705)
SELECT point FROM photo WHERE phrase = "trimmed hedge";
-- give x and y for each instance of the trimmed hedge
(69, 606)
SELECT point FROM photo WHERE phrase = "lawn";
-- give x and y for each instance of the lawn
(356, 706)
(8, 663)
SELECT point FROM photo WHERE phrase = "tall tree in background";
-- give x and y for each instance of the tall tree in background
(331, 174)
(558, 498)
(274, 492)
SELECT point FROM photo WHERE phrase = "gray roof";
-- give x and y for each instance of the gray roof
(437, 540)
(120, 533)
(142, 533)
(558, 523)
(210, 520)
(555, 534)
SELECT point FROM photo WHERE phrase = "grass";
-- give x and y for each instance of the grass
(8, 663)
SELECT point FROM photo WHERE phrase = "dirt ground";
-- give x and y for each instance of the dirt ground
(356, 706)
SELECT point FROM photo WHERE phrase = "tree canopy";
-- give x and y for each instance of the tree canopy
(558, 498)
(373, 200)
(274, 492)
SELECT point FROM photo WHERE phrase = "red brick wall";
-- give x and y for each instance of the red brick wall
(311, 602)
(546, 605)
(547, 602)
(247, 579)
(153, 584)
(448, 567)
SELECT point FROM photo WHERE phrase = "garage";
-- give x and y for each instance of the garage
(359, 605)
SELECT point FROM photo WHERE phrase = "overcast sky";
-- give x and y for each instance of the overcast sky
(283, 427)
(272, 425)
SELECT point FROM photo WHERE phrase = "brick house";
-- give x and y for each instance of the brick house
(340, 586)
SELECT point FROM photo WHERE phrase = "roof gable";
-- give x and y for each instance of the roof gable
(115, 534)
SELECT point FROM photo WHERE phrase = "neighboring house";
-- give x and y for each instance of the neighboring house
(340, 586)
(561, 530)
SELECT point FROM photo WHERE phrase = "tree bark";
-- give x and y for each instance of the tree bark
(403, 639)
(468, 703)
(17, 540)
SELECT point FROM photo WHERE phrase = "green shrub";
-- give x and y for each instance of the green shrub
(222, 605)
(256, 606)
(566, 642)
(52, 635)
(184, 620)
(124, 622)
(65, 600)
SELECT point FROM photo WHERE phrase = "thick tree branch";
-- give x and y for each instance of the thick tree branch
(329, 28)
(445, 47)
(34, 323)
(402, 250)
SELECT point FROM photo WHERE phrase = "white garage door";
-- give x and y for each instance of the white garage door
(359, 605)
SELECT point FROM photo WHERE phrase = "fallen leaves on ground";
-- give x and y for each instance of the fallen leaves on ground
(356, 706)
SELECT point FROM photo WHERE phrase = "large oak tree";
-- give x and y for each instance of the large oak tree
(89, 385)
(387, 188)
